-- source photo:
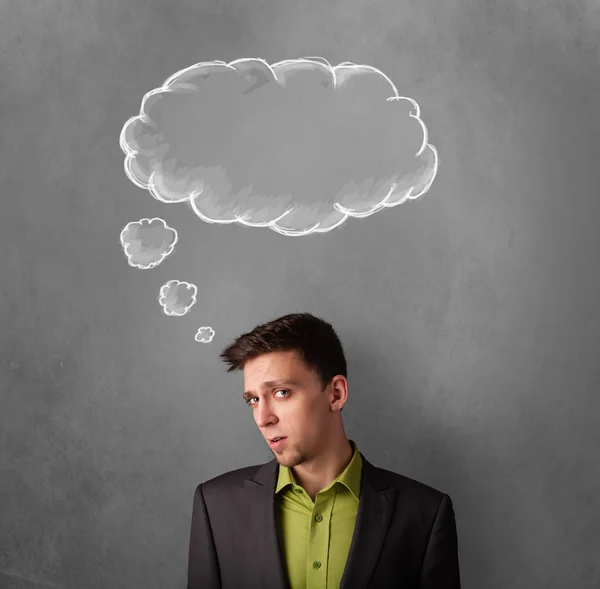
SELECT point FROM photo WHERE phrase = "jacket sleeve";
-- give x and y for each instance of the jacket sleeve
(203, 564)
(440, 568)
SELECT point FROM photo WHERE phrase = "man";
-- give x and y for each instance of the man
(319, 515)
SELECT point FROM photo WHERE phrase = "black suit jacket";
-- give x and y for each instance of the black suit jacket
(405, 534)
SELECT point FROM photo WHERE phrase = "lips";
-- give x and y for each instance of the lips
(276, 437)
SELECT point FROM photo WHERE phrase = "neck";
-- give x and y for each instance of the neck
(318, 473)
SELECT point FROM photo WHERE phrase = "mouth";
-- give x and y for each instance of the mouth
(273, 442)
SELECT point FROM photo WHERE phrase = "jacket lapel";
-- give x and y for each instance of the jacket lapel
(372, 519)
(260, 491)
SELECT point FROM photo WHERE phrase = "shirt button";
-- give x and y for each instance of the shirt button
(316, 564)
(319, 517)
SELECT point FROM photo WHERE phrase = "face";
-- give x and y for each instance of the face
(286, 399)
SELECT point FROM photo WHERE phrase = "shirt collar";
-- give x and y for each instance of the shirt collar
(350, 477)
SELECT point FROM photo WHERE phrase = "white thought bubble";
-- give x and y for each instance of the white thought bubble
(298, 146)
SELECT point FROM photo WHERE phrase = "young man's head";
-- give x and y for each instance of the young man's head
(295, 381)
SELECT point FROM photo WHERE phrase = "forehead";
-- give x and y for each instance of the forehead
(275, 366)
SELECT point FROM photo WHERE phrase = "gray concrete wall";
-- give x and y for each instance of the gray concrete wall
(469, 316)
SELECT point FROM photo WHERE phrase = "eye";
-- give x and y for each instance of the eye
(277, 391)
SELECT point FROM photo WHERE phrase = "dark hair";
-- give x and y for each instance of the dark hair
(314, 339)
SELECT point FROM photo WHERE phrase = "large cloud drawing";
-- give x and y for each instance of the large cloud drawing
(297, 146)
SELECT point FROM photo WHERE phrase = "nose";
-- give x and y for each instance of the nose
(264, 415)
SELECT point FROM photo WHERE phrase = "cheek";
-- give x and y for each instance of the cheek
(303, 414)
(316, 413)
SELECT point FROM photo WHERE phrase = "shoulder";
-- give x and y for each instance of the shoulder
(230, 479)
(412, 493)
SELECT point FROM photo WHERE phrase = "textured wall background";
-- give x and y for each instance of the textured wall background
(469, 317)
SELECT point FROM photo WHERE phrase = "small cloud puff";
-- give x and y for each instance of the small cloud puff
(147, 242)
(205, 334)
(177, 297)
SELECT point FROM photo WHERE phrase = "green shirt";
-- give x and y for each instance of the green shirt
(315, 537)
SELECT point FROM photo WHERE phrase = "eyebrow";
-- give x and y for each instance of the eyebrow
(270, 384)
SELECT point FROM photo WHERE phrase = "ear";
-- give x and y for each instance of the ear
(339, 391)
